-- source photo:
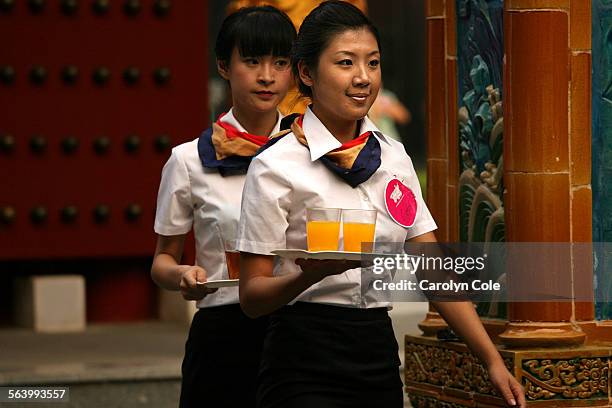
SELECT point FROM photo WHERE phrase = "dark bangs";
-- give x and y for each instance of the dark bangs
(256, 32)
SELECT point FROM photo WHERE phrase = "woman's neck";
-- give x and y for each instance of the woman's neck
(256, 123)
(343, 130)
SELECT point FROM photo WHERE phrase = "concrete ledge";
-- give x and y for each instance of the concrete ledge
(128, 371)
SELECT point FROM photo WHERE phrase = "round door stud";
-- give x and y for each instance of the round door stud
(70, 74)
(133, 212)
(162, 143)
(36, 6)
(161, 8)
(38, 144)
(161, 75)
(70, 144)
(7, 143)
(101, 213)
(131, 7)
(101, 75)
(38, 75)
(132, 143)
(7, 74)
(69, 214)
(6, 6)
(131, 75)
(7, 215)
(69, 7)
(39, 214)
(101, 145)
(100, 7)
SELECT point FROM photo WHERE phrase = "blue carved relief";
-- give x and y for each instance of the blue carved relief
(480, 120)
(602, 153)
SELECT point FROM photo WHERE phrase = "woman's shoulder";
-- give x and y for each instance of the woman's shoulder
(186, 152)
(395, 146)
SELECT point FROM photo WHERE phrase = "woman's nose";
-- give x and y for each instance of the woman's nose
(362, 76)
(266, 74)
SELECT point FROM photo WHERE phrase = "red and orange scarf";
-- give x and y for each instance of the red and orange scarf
(227, 149)
(354, 162)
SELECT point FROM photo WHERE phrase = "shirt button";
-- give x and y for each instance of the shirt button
(366, 199)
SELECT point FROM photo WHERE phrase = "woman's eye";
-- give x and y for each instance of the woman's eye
(282, 63)
(374, 63)
(251, 61)
(345, 62)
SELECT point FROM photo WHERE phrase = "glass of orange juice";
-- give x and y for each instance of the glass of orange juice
(232, 258)
(358, 230)
(323, 228)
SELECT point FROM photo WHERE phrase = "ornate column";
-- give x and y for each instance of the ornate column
(442, 156)
(546, 184)
(547, 151)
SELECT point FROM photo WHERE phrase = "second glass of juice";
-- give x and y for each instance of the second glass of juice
(232, 258)
(358, 230)
(323, 228)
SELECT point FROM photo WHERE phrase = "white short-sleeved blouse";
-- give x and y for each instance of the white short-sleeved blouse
(286, 179)
(191, 196)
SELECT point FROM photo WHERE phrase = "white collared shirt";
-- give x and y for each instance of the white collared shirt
(286, 179)
(191, 196)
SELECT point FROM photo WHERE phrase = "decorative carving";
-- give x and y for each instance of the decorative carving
(421, 401)
(582, 378)
(448, 368)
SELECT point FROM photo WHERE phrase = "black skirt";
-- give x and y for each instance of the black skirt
(328, 356)
(222, 356)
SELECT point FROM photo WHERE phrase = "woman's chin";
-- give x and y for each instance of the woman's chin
(265, 106)
(356, 114)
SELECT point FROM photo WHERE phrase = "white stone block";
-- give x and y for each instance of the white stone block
(173, 308)
(53, 303)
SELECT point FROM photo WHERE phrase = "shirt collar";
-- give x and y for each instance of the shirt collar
(230, 119)
(321, 141)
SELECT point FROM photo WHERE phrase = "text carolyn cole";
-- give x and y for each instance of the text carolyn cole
(428, 263)
(425, 285)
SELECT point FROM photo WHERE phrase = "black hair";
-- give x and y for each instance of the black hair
(327, 20)
(256, 31)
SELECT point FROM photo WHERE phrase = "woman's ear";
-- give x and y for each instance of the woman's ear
(223, 69)
(305, 73)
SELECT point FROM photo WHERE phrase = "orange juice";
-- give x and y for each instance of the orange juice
(322, 235)
(356, 234)
(232, 258)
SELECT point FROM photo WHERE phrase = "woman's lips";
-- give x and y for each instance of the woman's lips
(359, 98)
(265, 95)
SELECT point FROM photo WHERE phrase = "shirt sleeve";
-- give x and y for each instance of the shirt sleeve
(174, 214)
(265, 209)
(423, 222)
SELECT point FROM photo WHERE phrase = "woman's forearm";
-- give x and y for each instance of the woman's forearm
(464, 321)
(261, 293)
(166, 272)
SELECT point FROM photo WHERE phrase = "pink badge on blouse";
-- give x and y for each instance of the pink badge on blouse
(401, 203)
